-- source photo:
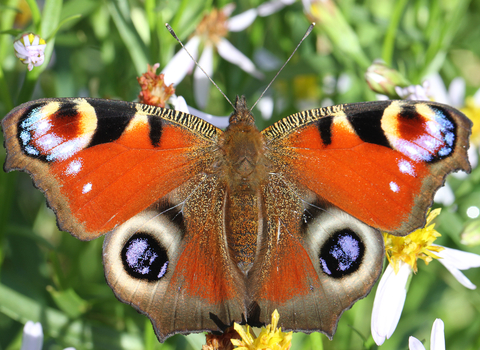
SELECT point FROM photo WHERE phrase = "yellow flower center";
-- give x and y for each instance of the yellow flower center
(213, 26)
(417, 245)
(270, 337)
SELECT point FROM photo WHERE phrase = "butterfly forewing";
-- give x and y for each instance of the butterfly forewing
(379, 161)
(101, 162)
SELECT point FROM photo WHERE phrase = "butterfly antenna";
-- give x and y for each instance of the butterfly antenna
(196, 63)
(309, 30)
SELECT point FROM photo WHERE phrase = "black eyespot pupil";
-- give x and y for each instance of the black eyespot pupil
(342, 254)
(144, 258)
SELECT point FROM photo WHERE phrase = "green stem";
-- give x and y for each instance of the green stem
(5, 96)
(36, 16)
(389, 42)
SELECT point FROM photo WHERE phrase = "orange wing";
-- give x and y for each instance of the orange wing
(101, 162)
(379, 161)
(171, 262)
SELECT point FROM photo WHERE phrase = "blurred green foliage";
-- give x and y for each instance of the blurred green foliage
(98, 48)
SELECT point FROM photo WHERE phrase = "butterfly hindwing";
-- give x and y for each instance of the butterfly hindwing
(317, 260)
(101, 162)
(174, 263)
(379, 161)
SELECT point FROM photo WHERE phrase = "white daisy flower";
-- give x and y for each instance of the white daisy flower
(30, 49)
(437, 338)
(32, 338)
(402, 254)
(211, 32)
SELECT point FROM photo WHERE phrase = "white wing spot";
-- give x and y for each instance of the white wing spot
(87, 188)
(406, 167)
(74, 167)
(394, 187)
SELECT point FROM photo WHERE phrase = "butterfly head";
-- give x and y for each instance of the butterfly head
(242, 114)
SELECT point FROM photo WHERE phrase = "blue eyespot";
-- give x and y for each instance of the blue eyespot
(144, 258)
(342, 254)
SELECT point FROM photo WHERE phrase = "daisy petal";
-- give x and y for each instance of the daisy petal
(265, 106)
(201, 84)
(438, 89)
(181, 63)
(179, 104)
(456, 92)
(233, 55)
(242, 21)
(459, 259)
(476, 97)
(389, 301)
(228, 9)
(20, 49)
(460, 277)
(36, 40)
(437, 339)
(267, 8)
(32, 336)
(415, 344)
(444, 196)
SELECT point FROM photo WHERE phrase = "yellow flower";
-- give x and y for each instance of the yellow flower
(417, 245)
(270, 337)
(472, 110)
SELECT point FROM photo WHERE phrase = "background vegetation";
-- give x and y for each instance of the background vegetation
(49, 276)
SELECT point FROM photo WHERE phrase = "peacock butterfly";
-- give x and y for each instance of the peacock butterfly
(205, 227)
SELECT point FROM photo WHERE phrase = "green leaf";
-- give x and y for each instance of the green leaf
(69, 302)
(131, 39)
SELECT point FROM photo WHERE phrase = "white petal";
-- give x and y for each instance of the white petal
(32, 336)
(437, 339)
(219, 122)
(389, 301)
(265, 106)
(472, 156)
(201, 84)
(179, 103)
(242, 21)
(459, 259)
(39, 61)
(20, 48)
(228, 9)
(415, 344)
(444, 195)
(456, 92)
(438, 89)
(460, 277)
(233, 55)
(26, 40)
(181, 63)
(476, 98)
(307, 5)
(36, 40)
(267, 8)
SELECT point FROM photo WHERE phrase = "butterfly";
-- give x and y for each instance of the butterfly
(206, 227)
